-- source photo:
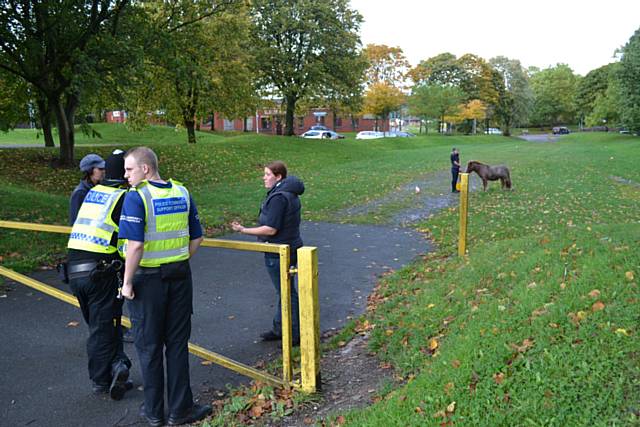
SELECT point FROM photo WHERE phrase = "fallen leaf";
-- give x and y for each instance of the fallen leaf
(629, 275)
(73, 324)
(308, 421)
(448, 387)
(388, 332)
(341, 420)
(594, 293)
(456, 364)
(451, 407)
(597, 306)
(256, 410)
(341, 343)
(621, 331)
(498, 378)
(206, 363)
(433, 344)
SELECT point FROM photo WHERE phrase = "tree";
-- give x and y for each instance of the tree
(515, 101)
(381, 99)
(386, 64)
(302, 47)
(14, 103)
(435, 101)
(594, 84)
(196, 62)
(443, 69)
(472, 112)
(57, 47)
(554, 95)
(607, 106)
(629, 78)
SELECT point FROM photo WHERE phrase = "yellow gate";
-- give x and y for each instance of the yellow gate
(307, 272)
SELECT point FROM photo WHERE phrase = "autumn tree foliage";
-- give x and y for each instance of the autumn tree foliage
(386, 64)
(381, 99)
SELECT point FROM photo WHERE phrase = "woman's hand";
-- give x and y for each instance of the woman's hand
(236, 226)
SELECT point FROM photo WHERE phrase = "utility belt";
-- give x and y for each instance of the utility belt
(96, 271)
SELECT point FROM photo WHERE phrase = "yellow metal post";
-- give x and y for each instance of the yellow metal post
(285, 302)
(464, 210)
(309, 318)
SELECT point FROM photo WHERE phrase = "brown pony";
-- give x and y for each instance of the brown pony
(490, 173)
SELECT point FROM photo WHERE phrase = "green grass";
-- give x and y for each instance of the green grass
(537, 326)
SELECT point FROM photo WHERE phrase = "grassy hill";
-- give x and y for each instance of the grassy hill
(538, 325)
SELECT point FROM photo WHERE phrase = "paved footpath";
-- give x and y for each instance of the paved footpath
(43, 374)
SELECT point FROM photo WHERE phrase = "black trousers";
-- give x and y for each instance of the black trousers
(102, 311)
(161, 316)
(454, 178)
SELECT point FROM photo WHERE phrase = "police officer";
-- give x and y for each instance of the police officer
(92, 167)
(93, 268)
(162, 230)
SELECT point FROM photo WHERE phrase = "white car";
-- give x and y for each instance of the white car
(494, 131)
(322, 134)
(369, 134)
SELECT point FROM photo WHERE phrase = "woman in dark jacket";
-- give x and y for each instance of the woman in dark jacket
(279, 222)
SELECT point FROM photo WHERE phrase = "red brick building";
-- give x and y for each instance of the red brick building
(272, 121)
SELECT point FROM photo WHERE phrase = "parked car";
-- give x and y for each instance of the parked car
(401, 134)
(319, 127)
(494, 131)
(322, 134)
(560, 130)
(369, 134)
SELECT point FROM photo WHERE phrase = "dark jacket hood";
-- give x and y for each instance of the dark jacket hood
(290, 184)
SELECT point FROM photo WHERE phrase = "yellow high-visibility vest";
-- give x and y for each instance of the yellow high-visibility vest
(93, 229)
(166, 230)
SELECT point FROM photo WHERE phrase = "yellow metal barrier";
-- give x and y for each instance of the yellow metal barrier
(310, 349)
(309, 318)
(464, 212)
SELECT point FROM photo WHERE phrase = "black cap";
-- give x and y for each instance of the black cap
(114, 168)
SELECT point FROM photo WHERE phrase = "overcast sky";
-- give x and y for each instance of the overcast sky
(583, 34)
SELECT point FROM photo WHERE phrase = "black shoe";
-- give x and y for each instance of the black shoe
(455, 191)
(270, 336)
(127, 335)
(196, 413)
(119, 382)
(154, 422)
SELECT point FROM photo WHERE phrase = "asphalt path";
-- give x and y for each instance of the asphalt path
(43, 374)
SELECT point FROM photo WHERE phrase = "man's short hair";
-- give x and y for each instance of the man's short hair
(144, 156)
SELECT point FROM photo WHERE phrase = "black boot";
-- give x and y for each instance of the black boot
(118, 386)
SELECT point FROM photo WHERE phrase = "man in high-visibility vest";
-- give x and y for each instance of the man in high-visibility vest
(94, 270)
(161, 230)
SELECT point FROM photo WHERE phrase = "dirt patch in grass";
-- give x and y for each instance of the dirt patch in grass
(352, 377)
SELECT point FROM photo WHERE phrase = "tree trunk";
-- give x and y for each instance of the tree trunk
(335, 120)
(198, 126)
(291, 108)
(191, 131)
(65, 131)
(213, 121)
(44, 113)
(244, 124)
